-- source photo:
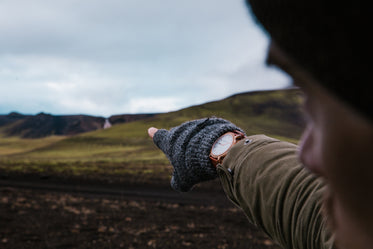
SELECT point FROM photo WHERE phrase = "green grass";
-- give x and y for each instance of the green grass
(16, 145)
(126, 148)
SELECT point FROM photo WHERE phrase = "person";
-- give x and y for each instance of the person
(318, 194)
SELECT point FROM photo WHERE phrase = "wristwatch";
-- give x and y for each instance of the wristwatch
(223, 144)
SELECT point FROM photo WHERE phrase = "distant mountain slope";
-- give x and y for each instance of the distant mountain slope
(11, 118)
(270, 112)
(42, 125)
(274, 113)
(124, 118)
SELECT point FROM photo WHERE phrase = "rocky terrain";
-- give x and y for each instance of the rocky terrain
(45, 214)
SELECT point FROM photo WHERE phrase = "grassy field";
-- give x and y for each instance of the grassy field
(127, 149)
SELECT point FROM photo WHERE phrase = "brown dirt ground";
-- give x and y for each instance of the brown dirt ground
(46, 218)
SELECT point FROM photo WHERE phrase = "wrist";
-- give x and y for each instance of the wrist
(223, 144)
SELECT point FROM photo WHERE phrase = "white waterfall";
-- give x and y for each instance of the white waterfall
(107, 124)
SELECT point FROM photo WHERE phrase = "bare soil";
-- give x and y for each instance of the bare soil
(57, 213)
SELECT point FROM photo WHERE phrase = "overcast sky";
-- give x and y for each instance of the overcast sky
(104, 57)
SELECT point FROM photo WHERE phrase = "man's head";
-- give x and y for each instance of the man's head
(318, 45)
(330, 39)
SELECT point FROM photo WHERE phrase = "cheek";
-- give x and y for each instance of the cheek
(349, 233)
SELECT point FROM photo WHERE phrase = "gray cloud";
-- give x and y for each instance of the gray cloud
(104, 57)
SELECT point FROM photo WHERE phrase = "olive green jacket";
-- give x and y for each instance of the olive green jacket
(264, 178)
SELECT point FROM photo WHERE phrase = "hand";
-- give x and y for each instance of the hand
(188, 148)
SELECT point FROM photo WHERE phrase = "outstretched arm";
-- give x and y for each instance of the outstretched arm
(259, 174)
(264, 178)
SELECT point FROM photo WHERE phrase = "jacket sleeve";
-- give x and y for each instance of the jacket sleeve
(264, 178)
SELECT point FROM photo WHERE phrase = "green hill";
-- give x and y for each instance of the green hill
(125, 149)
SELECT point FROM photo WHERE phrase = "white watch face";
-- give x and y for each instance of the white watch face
(222, 144)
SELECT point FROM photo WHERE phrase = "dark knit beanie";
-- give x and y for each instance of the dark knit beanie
(330, 39)
(188, 148)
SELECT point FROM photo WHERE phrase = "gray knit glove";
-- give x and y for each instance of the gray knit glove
(188, 148)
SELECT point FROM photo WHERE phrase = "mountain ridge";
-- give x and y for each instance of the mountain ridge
(276, 111)
(45, 124)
